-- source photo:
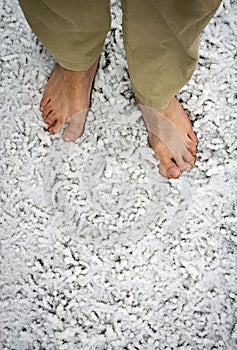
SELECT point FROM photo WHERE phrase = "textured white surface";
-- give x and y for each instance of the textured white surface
(98, 251)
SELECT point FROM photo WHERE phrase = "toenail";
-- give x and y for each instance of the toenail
(188, 168)
(173, 172)
(69, 136)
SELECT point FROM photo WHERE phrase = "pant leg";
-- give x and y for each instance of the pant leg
(161, 39)
(73, 30)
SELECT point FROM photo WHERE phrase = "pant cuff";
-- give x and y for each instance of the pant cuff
(152, 104)
(77, 66)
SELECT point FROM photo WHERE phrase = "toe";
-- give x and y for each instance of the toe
(167, 166)
(45, 100)
(182, 164)
(188, 168)
(72, 133)
(47, 109)
(184, 161)
(193, 136)
(56, 127)
(192, 146)
(169, 170)
(76, 126)
(51, 118)
(188, 157)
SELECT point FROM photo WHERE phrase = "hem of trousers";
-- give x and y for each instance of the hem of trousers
(76, 66)
(152, 104)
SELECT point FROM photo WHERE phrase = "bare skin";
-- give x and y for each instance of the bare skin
(66, 94)
(176, 114)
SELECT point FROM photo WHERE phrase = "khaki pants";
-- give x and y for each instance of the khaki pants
(161, 38)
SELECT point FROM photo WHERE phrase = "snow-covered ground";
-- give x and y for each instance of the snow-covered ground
(98, 250)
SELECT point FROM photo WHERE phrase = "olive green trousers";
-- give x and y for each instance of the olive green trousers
(161, 38)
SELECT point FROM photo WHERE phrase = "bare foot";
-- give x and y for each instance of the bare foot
(67, 98)
(176, 145)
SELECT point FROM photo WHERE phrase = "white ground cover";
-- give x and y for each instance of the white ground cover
(98, 250)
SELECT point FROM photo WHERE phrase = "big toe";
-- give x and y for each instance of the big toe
(167, 166)
(70, 135)
(169, 169)
(76, 126)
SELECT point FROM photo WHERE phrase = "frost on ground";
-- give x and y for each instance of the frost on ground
(98, 251)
